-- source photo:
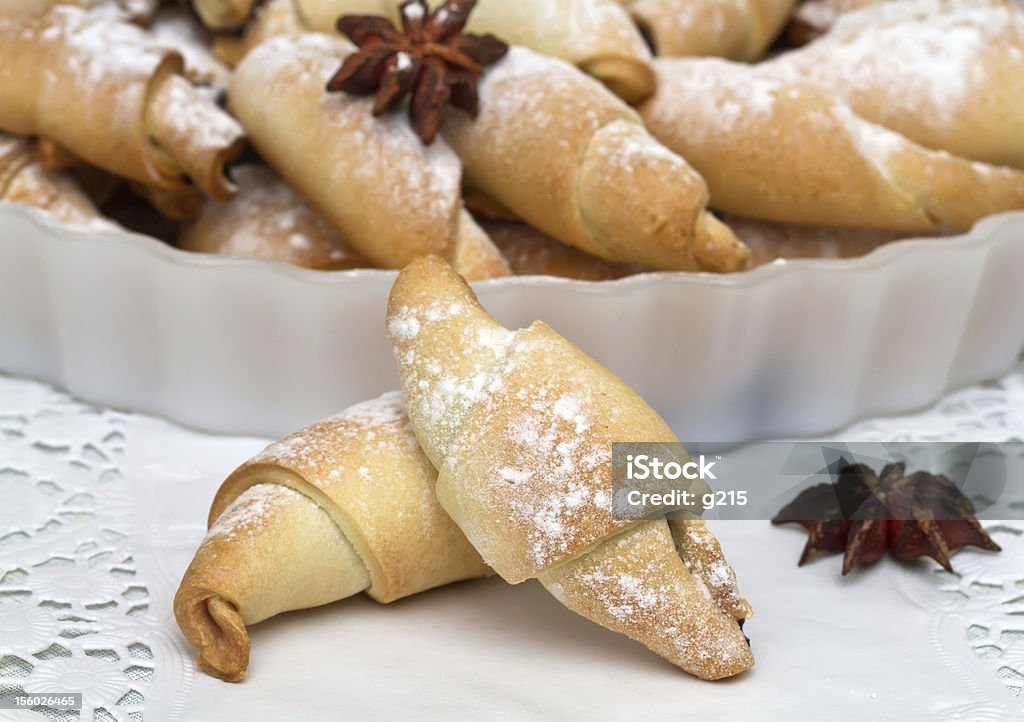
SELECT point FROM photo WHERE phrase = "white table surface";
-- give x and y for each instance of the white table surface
(100, 512)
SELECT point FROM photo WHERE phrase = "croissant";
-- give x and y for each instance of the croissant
(596, 35)
(948, 74)
(520, 426)
(23, 180)
(734, 29)
(561, 152)
(268, 219)
(794, 153)
(530, 253)
(392, 198)
(105, 91)
(341, 507)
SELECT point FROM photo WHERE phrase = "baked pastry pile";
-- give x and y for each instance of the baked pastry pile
(495, 458)
(602, 143)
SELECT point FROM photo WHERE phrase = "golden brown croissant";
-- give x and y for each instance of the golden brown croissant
(268, 219)
(561, 152)
(794, 153)
(521, 425)
(107, 92)
(344, 506)
(392, 198)
(948, 74)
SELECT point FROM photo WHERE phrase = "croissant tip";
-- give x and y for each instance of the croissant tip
(428, 265)
(231, 676)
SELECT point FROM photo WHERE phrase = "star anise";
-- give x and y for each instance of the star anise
(863, 515)
(431, 59)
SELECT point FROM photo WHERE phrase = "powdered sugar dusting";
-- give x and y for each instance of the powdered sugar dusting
(703, 557)
(397, 170)
(404, 326)
(570, 475)
(709, 96)
(634, 584)
(515, 476)
(919, 57)
(197, 118)
(381, 423)
(103, 50)
(101, 47)
(386, 410)
(875, 143)
(705, 99)
(511, 89)
(539, 445)
(633, 596)
(269, 219)
(557, 473)
(680, 32)
(252, 511)
(441, 399)
(635, 152)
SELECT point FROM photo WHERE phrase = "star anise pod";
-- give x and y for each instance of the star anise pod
(430, 59)
(863, 515)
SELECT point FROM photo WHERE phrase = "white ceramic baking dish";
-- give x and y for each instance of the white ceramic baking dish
(257, 347)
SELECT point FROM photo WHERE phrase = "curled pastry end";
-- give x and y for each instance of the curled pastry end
(716, 247)
(632, 80)
(194, 137)
(215, 630)
(636, 584)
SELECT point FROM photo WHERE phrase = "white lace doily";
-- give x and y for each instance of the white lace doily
(100, 511)
(981, 606)
(81, 491)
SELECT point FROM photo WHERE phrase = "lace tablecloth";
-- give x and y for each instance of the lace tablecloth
(100, 512)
